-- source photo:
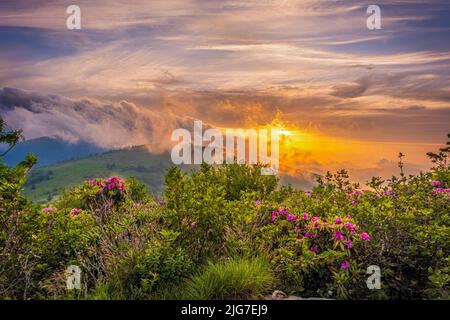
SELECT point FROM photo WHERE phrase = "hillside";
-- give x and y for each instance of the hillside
(46, 182)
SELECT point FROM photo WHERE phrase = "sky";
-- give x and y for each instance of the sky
(137, 70)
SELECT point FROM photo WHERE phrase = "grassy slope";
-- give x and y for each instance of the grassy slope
(46, 182)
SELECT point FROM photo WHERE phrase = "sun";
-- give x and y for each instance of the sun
(284, 132)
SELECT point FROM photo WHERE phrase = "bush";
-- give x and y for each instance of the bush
(141, 273)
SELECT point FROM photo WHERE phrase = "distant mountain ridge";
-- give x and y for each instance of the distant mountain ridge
(50, 150)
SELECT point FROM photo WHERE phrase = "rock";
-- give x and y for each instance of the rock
(278, 295)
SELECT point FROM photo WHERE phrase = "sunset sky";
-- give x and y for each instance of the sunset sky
(137, 70)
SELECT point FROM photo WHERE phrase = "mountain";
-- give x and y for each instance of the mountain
(50, 150)
(44, 183)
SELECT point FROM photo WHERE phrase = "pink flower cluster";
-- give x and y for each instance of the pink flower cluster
(437, 191)
(355, 195)
(283, 212)
(48, 209)
(319, 232)
(112, 183)
(390, 193)
(75, 212)
(357, 192)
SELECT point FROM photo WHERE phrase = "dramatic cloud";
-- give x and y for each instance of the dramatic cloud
(106, 124)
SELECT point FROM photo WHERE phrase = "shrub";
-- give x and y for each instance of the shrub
(141, 273)
(310, 254)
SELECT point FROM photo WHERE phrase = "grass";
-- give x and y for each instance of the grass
(238, 278)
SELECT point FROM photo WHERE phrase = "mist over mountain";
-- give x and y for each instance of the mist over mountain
(106, 124)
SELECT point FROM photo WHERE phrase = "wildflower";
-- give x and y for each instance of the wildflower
(74, 212)
(436, 183)
(349, 244)
(338, 221)
(338, 235)
(291, 217)
(296, 228)
(437, 191)
(314, 249)
(257, 202)
(48, 210)
(305, 216)
(345, 265)
(347, 216)
(274, 215)
(364, 236)
(315, 219)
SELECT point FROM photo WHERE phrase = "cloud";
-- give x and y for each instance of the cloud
(106, 124)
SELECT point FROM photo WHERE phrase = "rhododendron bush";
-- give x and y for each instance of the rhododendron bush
(130, 244)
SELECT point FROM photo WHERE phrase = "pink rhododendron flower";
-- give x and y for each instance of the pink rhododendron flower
(349, 244)
(350, 227)
(389, 193)
(347, 216)
(111, 183)
(315, 249)
(315, 219)
(48, 210)
(338, 235)
(291, 217)
(305, 216)
(274, 215)
(437, 191)
(364, 236)
(74, 212)
(345, 265)
(338, 221)
(257, 202)
(436, 183)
